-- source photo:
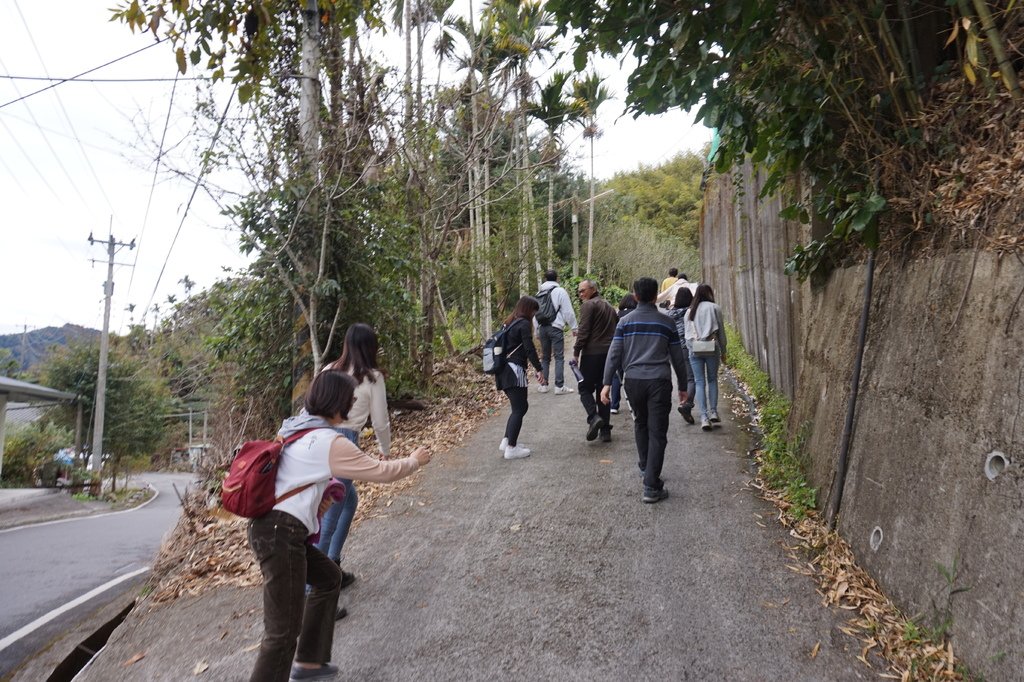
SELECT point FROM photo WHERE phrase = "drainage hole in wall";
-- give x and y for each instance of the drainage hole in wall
(995, 464)
(876, 538)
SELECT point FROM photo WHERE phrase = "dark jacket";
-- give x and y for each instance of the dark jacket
(520, 349)
(597, 327)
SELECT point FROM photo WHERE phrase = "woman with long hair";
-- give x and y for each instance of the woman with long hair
(519, 350)
(298, 629)
(704, 323)
(370, 400)
(680, 307)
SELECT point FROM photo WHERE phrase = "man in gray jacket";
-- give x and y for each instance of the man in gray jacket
(646, 348)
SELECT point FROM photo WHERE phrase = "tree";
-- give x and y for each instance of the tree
(9, 365)
(590, 95)
(555, 111)
(137, 399)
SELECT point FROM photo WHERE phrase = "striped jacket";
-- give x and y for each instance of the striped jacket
(645, 343)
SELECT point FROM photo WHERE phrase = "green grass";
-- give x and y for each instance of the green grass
(783, 463)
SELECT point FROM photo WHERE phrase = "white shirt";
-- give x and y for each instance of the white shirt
(371, 401)
(564, 313)
(307, 460)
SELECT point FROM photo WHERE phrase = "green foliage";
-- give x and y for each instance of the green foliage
(29, 446)
(821, 89)
(783, 463)
(9, 365)
(137, 398)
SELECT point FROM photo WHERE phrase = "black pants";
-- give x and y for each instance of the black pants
(517, 399)
(288, 562)
(651, 400)
(592, 369)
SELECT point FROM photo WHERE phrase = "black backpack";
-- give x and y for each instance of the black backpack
(547, 313)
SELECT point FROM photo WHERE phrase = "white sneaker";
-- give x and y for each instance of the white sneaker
(562, 390)
(504, 445)
(713, 416)
(543, 388)
(516, 452)
(614, 411)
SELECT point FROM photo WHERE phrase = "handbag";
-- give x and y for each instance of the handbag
(702, 347)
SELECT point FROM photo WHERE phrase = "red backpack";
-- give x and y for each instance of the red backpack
(248, 490)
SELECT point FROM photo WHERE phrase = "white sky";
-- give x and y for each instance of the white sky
(71, 163)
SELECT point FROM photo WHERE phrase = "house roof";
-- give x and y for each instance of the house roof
(25, 392)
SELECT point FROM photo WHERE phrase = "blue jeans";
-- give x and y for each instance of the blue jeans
(338, 517)
(552, 339)
(700, 365)
(616, 391)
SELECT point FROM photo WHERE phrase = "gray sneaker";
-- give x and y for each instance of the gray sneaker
(651, 496)
(324, 672)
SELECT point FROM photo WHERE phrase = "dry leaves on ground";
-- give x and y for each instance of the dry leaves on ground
(208, 547)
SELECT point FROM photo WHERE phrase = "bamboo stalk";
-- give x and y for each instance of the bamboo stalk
(995, 42)
(965, 12)
(913, 101)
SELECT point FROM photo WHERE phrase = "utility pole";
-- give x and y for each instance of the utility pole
(113, 246)
(575, 238)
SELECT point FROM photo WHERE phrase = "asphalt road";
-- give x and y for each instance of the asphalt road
(46, 566)
(544, 568)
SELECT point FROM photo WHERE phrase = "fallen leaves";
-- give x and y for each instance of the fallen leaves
(208, 548)
(201, 667)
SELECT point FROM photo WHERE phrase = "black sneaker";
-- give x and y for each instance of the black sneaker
(651, 496)
(342, 612)
(346, 577)
(324, 672)
(687, 413)
(606, 436)
(596, 424)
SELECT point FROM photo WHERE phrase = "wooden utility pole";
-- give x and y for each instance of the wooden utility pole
(96, 455)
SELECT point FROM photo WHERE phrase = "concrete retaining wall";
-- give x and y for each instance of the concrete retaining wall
(942, 389)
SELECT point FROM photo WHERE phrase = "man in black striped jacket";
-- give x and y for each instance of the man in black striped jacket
(647, 348)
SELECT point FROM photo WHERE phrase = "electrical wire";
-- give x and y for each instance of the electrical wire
(195, 188)
(73, 79)
(96, 68)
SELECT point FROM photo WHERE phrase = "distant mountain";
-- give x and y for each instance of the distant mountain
(30, 348)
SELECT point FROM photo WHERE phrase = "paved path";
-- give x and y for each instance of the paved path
(48, 565)
(546, 568)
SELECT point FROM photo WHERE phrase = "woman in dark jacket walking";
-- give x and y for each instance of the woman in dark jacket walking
(680, 307)
(519, 350)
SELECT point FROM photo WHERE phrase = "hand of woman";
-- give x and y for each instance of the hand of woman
(541, 379)
(421, 455)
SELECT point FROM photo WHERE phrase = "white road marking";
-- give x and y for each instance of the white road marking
(156, 494)
(43, 620)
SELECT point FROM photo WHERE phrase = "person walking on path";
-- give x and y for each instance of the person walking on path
(554, 313)
(296, 625)
(626, 306)
(673, 276)
(513, 381)
(704, 322)
(597, 327)
(646, 347)
(359, 360)
(680, 307)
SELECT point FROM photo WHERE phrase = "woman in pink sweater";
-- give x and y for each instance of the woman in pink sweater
(296, 625)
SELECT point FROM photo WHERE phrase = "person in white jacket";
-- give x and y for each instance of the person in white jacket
(552, 331)
(359, 360)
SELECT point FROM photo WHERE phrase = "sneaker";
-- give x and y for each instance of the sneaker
(615, 410)
(705, 425)
(504, 445)
(324, 672)
(687, 413)
(713, 416)
(562, 390)
(596, 424)
(651, 496)
(643, 472)
(516, 452)
(342, 612)
(543, 388)
(347, 579)
(606, 436)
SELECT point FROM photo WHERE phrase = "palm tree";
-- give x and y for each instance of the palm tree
(590, 94)
(554, 111)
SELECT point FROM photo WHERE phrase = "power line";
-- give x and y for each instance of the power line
(96, 68)
(152, 189)
(195, 188)
(73, 79)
